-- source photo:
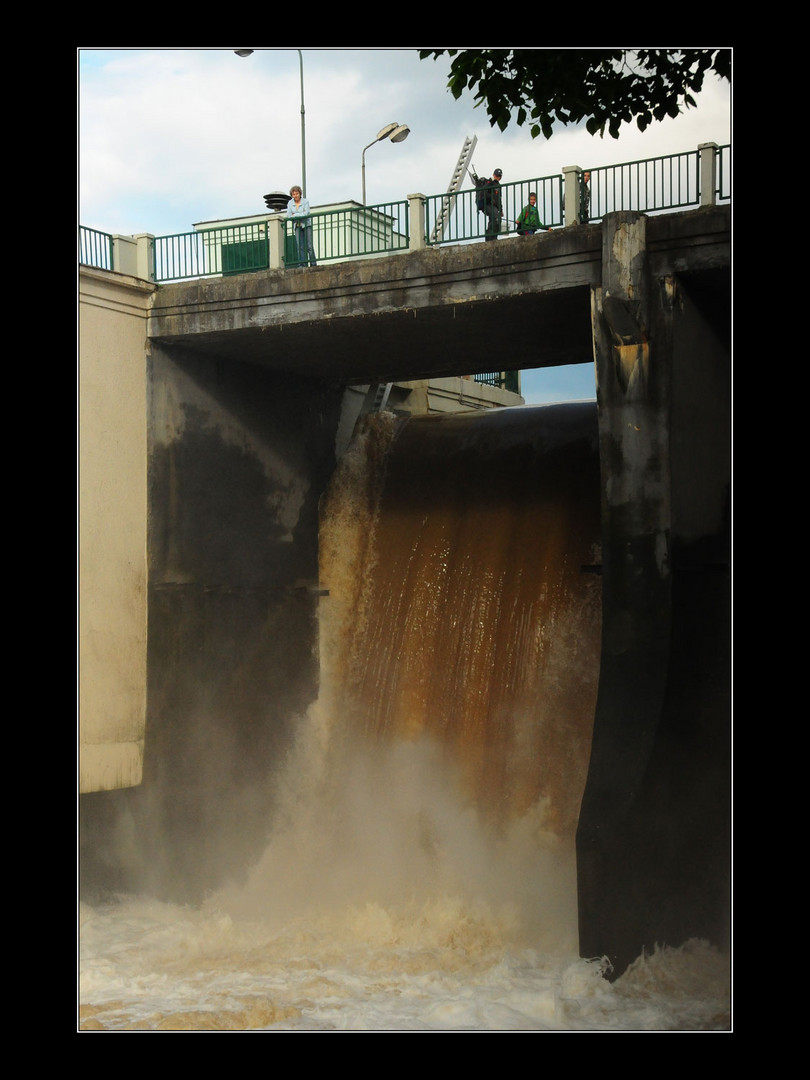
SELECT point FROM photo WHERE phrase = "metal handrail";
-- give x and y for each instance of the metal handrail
(463, 221)
(663, 183)
(95, 248)
(506, 380)
(233, 249)
(652, 186)
(351, 232)
(723, 189)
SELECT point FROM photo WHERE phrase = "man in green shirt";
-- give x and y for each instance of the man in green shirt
(529, 220)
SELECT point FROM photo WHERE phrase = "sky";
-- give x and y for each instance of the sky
(171, 137)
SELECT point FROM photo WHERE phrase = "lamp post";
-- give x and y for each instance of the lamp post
(396, 133)
(249, 52)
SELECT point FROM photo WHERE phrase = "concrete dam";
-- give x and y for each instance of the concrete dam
(539, 596)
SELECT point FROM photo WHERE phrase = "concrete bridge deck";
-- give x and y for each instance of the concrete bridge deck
(523, 302)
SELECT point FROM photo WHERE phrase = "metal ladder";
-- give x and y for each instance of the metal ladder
(449, 201)
(376, 398)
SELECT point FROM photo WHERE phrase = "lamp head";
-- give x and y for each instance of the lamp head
(384, 132)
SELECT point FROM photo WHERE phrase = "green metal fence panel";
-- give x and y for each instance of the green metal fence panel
(507, 380)
(291, 257)
(723, 192)
(452, 218)
(234, 249)
(244, 256)
(95, 248)
(455, 218)
(352, 232)
(179, 256)
(239, 249)
(671, 182)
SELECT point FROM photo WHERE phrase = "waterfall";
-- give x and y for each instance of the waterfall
(460, 554)
(420, 871)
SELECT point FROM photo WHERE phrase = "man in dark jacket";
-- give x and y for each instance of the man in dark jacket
(493, 207)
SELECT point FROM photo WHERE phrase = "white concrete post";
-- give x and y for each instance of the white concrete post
(416, 213)
(275, 239)
(573, 180)
(125, 255)
(145, 263)
(708, 173)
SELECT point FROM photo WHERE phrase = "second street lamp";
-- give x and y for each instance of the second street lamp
(396, 133)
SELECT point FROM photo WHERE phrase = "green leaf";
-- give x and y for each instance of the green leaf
(602, 87)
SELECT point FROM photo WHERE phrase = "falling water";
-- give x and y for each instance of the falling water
(420, 872)
(463, 603)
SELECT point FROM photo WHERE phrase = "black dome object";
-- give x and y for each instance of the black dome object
(276, 200)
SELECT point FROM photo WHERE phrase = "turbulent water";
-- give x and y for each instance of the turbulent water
(420, 871)
(388, 909)
(439, 967)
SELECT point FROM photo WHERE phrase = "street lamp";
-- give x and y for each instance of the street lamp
(249, 52)
(394, 132)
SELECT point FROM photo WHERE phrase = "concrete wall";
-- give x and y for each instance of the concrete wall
(653, 845)
(199, 487)
(198, 577)
(238, 458)
(112, 523)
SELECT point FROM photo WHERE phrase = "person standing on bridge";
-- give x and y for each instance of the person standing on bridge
(529, 221)
(585, 199)
(493, 207)
(299, 212)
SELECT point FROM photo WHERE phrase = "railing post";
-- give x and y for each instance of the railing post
(573, 182)
(125, 255)
(135, 255)
(708, 173)
(275, 242)
(146, 256)
(417, 240)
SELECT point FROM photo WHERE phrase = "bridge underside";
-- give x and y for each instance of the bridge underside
(514, 333)
(521, 303)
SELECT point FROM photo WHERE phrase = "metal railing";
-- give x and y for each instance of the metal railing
(240, 249)
(460, 219)
(664, 183)
(350, 232)
(95, 248)
(654, 185)
(722, 191)
(235, 249)
(507, 380)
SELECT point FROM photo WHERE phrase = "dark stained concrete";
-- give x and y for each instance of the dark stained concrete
(653, 841)
(442, 311)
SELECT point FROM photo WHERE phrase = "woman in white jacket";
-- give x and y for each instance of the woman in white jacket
(298, 210)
